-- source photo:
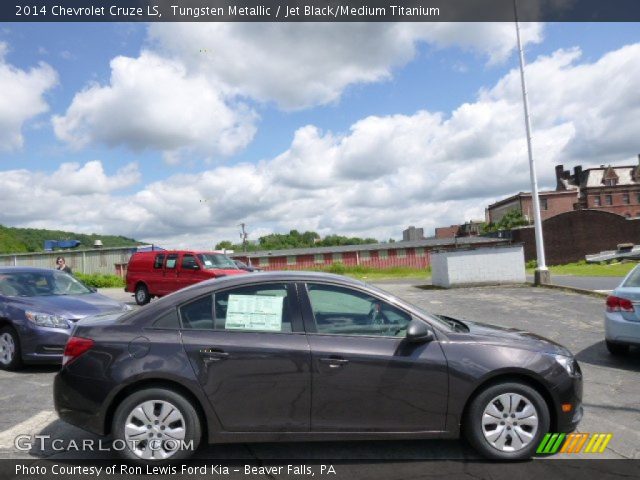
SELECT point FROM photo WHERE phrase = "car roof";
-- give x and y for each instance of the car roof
(25, 270)
(256, 277)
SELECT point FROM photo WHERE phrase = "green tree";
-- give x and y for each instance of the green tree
(510, 220)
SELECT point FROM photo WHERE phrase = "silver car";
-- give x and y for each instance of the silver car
(622, 315)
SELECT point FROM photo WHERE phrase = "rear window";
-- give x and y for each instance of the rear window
(633, 280)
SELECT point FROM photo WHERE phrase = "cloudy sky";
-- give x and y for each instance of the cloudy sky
(177, 133)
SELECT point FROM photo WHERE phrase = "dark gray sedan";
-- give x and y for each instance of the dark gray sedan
(38, 308)
(310, 356)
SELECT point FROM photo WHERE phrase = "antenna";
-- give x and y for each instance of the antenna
(243, 235)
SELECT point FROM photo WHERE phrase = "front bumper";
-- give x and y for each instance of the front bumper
(43, 344)
(571, 393)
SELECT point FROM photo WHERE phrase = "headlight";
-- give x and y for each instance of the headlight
(126, 307)
(569, 364)
(46, 320)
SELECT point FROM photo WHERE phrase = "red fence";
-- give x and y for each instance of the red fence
(380, 259)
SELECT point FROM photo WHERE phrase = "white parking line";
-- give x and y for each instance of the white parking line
(29, 427)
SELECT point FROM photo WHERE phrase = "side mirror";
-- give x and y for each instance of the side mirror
(419, 332)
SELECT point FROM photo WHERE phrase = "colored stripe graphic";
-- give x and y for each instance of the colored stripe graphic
(574, 442)
(550, 443)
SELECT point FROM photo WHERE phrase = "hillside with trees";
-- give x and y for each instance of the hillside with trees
(24, 240)
(294, 239)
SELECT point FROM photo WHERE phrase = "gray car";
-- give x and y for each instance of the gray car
(38, 308)
(621, 317)
(310, 356)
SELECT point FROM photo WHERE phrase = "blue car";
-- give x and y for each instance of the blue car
(38, 308)
(622, 315)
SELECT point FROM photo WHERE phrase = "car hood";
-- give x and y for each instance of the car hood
(71, 306)
(512, 337)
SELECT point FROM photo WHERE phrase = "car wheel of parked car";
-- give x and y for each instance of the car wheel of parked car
(617, 348)
(506, 421)
(142, 294)
(10, 356)
(157, 424)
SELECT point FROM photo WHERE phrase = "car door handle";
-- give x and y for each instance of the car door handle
(334, 362)
(213, 354)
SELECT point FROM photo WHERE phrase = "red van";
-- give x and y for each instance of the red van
(158, 273)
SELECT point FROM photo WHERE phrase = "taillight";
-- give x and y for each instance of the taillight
(617, 304)
(75, 347)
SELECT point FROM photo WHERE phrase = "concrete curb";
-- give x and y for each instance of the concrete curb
(581, 291)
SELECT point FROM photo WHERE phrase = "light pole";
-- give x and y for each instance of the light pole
(542, 275)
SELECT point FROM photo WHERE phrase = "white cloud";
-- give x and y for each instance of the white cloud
(386, 172)
(22, 98)
(301, 65)
(183, 95)
(152, 102)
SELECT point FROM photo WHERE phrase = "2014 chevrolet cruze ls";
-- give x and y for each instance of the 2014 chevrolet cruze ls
(310, 356)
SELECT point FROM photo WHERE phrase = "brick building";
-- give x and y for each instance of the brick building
(471, 228)
(605, 188)
(416, 254)
(551, 203)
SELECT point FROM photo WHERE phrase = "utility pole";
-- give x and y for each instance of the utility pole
(243, 236)
(542, 275)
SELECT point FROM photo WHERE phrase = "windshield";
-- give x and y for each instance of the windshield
(216, 260)
(40, 284)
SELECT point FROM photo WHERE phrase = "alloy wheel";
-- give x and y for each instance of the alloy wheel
(7, 348)
(510, 422)
(155, 430)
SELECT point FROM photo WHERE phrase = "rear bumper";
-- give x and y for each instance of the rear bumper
(67, 397)
(619, 330)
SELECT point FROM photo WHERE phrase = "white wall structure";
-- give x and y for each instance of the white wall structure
(479, 266)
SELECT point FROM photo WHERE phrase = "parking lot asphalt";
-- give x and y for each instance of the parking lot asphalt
(611, 388)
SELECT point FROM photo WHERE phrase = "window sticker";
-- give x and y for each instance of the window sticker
(208, 263)
(254, 312)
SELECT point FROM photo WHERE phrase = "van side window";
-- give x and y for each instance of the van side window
(171, 260)
(158, 261)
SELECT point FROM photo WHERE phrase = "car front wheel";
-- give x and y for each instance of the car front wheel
(507, 421)
(10, 357)
(156, 425)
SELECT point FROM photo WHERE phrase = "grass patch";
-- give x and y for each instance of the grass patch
(100, 280)
(584, 269)
(368, 273)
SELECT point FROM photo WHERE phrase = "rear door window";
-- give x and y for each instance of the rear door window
(255, 308)
(172, 259)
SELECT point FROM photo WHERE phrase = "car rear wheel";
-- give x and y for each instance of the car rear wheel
(10, 356)
(617, 348)
(156, 425)
(506, 421)
(142, 294)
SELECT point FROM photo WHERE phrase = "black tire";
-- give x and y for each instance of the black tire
(10, 359)
(142, 294)
(473, 428)
(617, 349)
(190, 422)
